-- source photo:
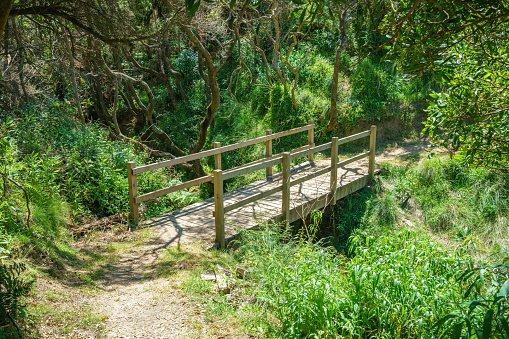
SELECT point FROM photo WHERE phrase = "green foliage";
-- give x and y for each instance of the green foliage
(420, 37)
(13, 287)
(469, 114)
(281, 114)
(370, 88)
(382, 212)
(486, 314)
(319, 76)
(452, 197)
(185, 62)
(260, 101)
(68, 171)
(394, 287)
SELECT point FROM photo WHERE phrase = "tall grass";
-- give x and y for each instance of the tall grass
(394, 287)
(450, 198)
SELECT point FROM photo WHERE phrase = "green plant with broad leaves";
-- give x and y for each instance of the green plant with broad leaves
(13, 287)
(395, 286)
(471, 114)
(486, 314)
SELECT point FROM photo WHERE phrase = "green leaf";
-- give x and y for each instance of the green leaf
(442, 321)
(302, 16)
(504, 323)
(331, 14)
(456, 333)
(502, 293)
(486, 327)
(232, 4)
(194, 8)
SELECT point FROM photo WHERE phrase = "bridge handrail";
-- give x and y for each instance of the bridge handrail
(286, 158)
(214, 151)
(270, 160)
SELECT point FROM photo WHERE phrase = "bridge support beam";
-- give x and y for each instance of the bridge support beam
(286, 186)
(311, 139)
(133, 192)
(219, 207)
(217, 157)
(334, 169)
(372, 147)
(268, 153)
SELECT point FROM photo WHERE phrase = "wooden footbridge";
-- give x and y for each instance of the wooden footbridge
(288, 195)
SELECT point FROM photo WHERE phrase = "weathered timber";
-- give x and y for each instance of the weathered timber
(311, 138)
(334, 168)
(372, 147)
(133, 192)
(219, 207)
(222, 149)
(268, 153)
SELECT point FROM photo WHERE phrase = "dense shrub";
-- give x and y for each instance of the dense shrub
(394, 287)
(453, 197)
(13, 287)
(281, 114)
(370, 88)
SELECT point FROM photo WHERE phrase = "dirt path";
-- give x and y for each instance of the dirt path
(138, 304)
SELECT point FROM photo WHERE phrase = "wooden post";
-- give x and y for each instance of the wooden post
(219, 207)
(268, 153)
(133, 192)
(334, 169)
(372, 147)
(217, 157)
(286, 186)
(311, 139)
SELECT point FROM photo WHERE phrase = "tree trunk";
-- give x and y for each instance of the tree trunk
(74, 84)
(334, 95)
(5, 9)
(335, 77)
(21, 65)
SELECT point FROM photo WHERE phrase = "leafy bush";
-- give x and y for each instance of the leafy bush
(260, 101)
(487, 315)
(320, 76)
(370, 87)
(394, 287)
(13, 287)
(382, 211)
(281, 114)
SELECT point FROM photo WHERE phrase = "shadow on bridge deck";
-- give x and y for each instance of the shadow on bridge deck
(196, 221)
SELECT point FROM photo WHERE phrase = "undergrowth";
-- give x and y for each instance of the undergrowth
(396, 286)
(400, 285)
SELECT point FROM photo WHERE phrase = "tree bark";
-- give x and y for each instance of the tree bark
(74, 84)
(21, 64)
(334, 95)
(5, 9)
(335, 77)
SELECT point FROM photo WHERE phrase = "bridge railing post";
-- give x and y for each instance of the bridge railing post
(268, 153)
(372, 146)
(219, 207)
(217, 157)
(334, 169)
(133, 192)
(311, 139)
(286, 186)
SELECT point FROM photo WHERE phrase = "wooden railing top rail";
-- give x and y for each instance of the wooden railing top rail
(256, 167)
(191, 157)
(310, 150)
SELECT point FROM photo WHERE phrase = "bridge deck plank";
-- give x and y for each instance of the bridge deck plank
(196, 221)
